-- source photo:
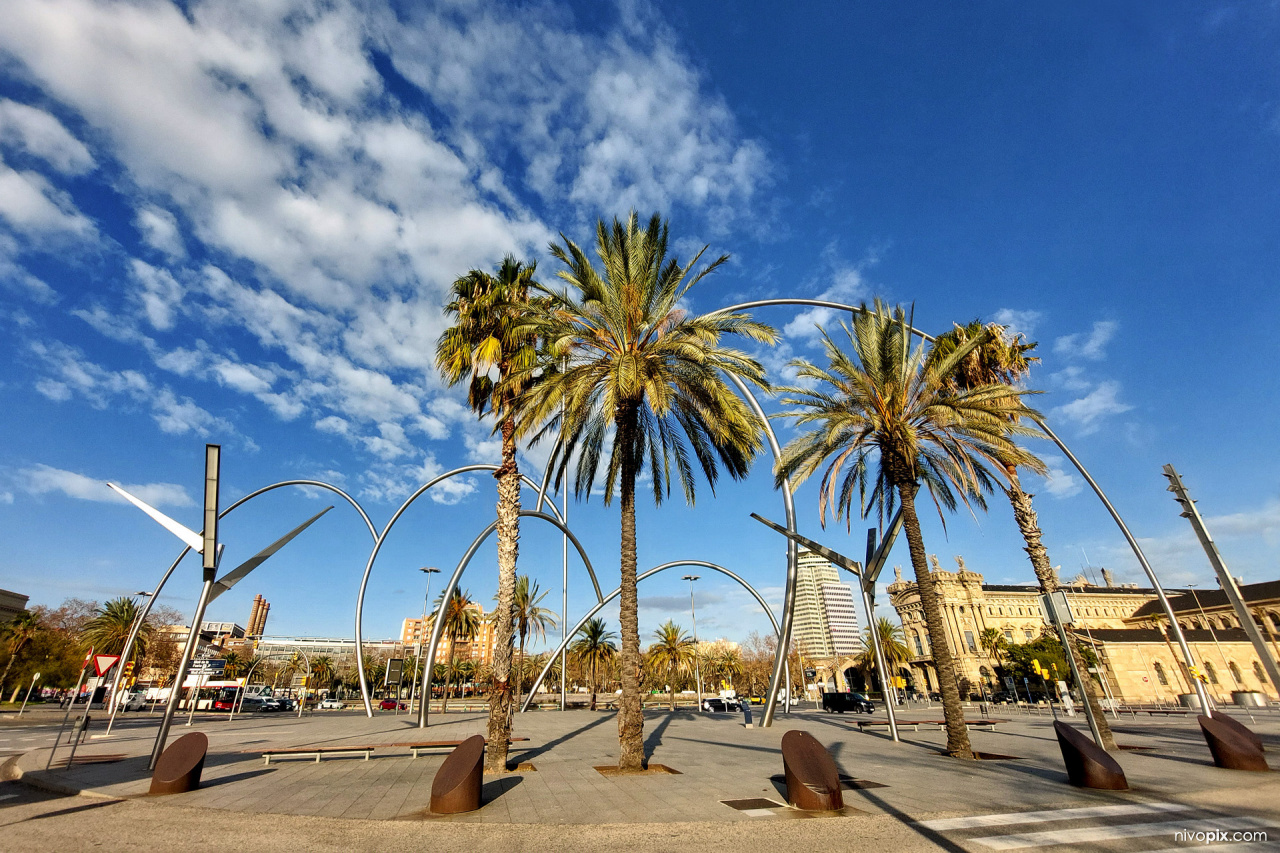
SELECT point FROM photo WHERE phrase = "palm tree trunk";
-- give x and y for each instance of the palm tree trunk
(593, 683)
(630, 710)
(1024, 513)
(500, 700)
(957, 734)
(671, 674)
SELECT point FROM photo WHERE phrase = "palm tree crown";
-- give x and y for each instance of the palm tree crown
(594, 645)
(884, 420)
(628, 372)
(109, 628)
(672, 653)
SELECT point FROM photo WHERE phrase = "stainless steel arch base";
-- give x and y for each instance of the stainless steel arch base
(611, 596)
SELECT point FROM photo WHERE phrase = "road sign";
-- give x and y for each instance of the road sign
(395, 672)
(102, 663)
(209, 666)
(88, 659)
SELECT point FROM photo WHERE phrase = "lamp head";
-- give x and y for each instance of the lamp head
(431, 570)
(689, 578)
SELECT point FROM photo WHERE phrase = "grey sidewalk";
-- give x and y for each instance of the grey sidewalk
(717, 759)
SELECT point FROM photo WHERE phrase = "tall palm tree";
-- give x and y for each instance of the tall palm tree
(1004, 358)
(322, 671)
(883, 418)
(461, 622)
(892, 645)
(530, 618)
(109, 628)
(594, 645)
(234, 664)
(486, 337)
(625, 359)
(19, 631)
(672, 654)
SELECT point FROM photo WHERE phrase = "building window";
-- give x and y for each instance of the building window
(915, 635)
(1275, 621)
(1008, 635)
(1002, 612)
(1026, 632)
(1235, 671)
(1209, 671)
(1258, 674)
(1160, 676)
(968, 641)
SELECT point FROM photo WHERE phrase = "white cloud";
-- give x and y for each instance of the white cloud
(1060, 482)
(842, 281)
(1086, 412)
(44, 479)
(32, 205)
(159, 230)
(39, 134)
(1091, 346)
(1019, 321)
(6, 497)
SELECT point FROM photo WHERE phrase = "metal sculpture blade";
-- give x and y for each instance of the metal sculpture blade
(234, 576)
(193, 539)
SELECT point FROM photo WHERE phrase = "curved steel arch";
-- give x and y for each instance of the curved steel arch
(438, 627)
(137, 625)
(1097, 490)
(611, 596)
(379, 538)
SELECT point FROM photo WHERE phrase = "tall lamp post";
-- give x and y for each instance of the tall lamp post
(1196, 597)
(133, 630)
(426, 598)
(697, 660)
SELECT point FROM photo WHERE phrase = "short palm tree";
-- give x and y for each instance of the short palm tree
(109, 628)
(1002, 357)
(234, 665)
(486, 337)
(19, 631)
(672, 654)
(530, 619)
(884, 422)
(631, 376)
(593, 645)
(892, 646)
(725, 664)
(322, 672)
(461, 622)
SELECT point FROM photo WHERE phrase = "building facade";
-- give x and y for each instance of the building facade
(11, 604)
(825, 624)
(1124, 623)
(416, 632)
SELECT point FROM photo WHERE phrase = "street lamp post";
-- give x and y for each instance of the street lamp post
(423, 698)
(34, 679)
(1196, 597)
(426, 598)
(697, 661)
(133, 630)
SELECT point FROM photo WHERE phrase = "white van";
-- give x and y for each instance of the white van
(132, 701)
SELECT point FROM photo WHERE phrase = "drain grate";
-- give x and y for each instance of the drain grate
(752, 803)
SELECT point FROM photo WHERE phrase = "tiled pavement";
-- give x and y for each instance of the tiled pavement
(717, 759)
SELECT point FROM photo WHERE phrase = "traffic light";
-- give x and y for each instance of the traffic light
(1036, 668)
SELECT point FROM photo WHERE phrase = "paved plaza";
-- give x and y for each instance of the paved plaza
(908, 794)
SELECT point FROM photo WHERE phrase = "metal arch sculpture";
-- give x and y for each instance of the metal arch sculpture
(611, 596)
(1044, 427)
(146, 609)
(379, 538)
(438, 627)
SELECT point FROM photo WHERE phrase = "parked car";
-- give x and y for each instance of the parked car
(130, 701)
(332, 705)
(719, 704)
(390, 705)
(286, 703)
(840, 702)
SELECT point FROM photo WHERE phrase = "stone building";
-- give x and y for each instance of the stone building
(416, 631)
(1123, 622)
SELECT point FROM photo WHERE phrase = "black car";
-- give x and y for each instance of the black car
(854, 702)
(718, 704)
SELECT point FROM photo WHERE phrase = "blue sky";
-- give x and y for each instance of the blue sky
(234, 222)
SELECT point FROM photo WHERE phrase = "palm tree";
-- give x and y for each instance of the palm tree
(322, 671)
(892, 646)
(109, 628)
(485, 337)
(461, 622)
(530, 618)
(1004, 358)
(624, 358)
(234, 664)
(672, 654)
(594, 645)
(883, 417)
(993, 643)
(725, 664)
(19, 631)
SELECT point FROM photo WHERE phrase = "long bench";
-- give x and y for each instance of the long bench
(902, 724)
(416, 747)
(1168, 713)
(318, 751)
(983, 725)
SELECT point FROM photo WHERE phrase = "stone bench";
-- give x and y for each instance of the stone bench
(813, 782)
(1232, 749)
(180, 765)
(970, 725)
(1088, 765)
(456, 787)
(1168, 713)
